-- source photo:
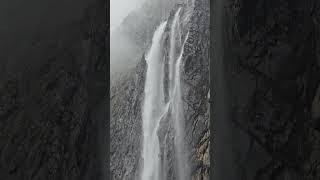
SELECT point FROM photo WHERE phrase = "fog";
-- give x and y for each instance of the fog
(119, 9)
(122, 53)
(123, 50)
(132, 25)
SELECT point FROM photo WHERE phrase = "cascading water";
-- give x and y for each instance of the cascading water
(175, 96)
(155, 107)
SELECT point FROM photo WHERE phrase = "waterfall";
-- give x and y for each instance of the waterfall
(155, 107)
(176, 97)
(178, 118)
(172, 52)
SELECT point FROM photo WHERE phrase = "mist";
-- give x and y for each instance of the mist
(132, 25)
(123, 50)
(119, 9)
(122, 53)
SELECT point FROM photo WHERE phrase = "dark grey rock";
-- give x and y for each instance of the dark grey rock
(271, 78)
(53, 96)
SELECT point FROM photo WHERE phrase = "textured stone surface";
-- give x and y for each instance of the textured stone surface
(53, 101)
(126, 123)
(195, 89)
(272, 75)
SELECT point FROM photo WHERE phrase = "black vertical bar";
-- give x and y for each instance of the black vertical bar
(108, 174)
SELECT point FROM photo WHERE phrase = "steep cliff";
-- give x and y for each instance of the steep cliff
(271, 74)
(127, 95)
(126, 123)
(53, 95)
(196, 89)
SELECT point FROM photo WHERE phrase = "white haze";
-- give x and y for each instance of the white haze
(129, 41)
(122, 49)
(119, 9)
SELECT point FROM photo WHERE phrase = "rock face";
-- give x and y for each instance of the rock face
(53, 102)
(272, 75)
(196, 89)
(126, 123)
(127, 96)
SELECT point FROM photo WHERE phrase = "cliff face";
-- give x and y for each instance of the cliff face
(196, 89)
(52, 112)
(127, 96)
(126, 123)
(272, 74)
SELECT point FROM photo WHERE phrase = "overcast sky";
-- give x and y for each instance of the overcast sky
(119, 9)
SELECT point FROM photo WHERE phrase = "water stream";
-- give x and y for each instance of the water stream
(155, 107)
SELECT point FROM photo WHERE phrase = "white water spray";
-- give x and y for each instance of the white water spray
(154, 106)
(176, 97)
(172, 52)
(178, 118)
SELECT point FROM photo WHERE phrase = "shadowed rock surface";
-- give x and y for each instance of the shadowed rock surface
(53, 90)
(271, 71)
